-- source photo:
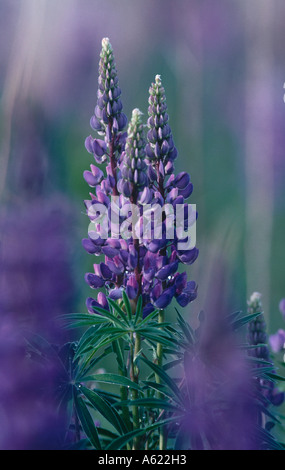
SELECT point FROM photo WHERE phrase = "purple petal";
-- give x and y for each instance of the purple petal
(91, 305)
(182, 180)
(165, 299)
(95, 124)
(151, 173)
(89, 144)
(167, 271)
(188, 257)
(186, 192)
(149, 308)
(109, 251)
(90, 247)
(90, 178)
(94, 281)
(102, 300)
(116, 294)
(99, 147)
(105, 271)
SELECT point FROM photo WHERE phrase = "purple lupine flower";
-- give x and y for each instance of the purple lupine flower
(41, 271)
(133, 167)
(282, 307)
(165, 187)
(220, 406)
(108, 120)
(29, 420)
(123, 257)
(137, 174)
(277, 341)
(257, 335)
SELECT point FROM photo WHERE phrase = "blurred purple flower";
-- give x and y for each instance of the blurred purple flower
(257, 335)
(277, 341)
(29, 420)
(221, 412)
(282, 307)
(35, 276)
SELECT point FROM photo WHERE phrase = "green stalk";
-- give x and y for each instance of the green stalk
(134, 350)
(123, 372)
(159, 354)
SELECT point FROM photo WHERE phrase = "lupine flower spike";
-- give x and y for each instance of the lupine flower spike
(257, 334)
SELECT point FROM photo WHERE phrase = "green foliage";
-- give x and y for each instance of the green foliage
(145, 403)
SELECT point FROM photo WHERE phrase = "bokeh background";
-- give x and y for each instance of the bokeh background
(223, 67)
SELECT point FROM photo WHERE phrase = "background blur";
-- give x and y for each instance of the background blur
(223, 67)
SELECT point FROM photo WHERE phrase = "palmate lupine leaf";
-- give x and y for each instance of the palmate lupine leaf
(127, 306)
(244, 320)
(269, 441)
(117, 444)
(97, 338)
(85, 341)
(106, 434)
(171, 364)
(109, 413)
(86, 421)
(166, 379)
(151, 403)
(110, 397)
(79, 320)
(159, 338)
(112, 316)
(99, 344)
(275, 377)
(138, 314)
(66, 406)
(118, 309)
(112, 379)
(149, 318)
(186, 328)
(76, 320)
(84, 369)
(159, 388)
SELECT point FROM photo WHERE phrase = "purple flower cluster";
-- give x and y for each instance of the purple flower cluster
(257, 335)
(139, 172)
(277, 340)
(219, 393)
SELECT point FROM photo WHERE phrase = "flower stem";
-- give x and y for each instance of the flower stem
(159, 354)
(134, 350)
(123, 372)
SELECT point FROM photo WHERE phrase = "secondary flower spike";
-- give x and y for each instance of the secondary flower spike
(257, 335)
(108, 120)
(161, 278)
(133, 166)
